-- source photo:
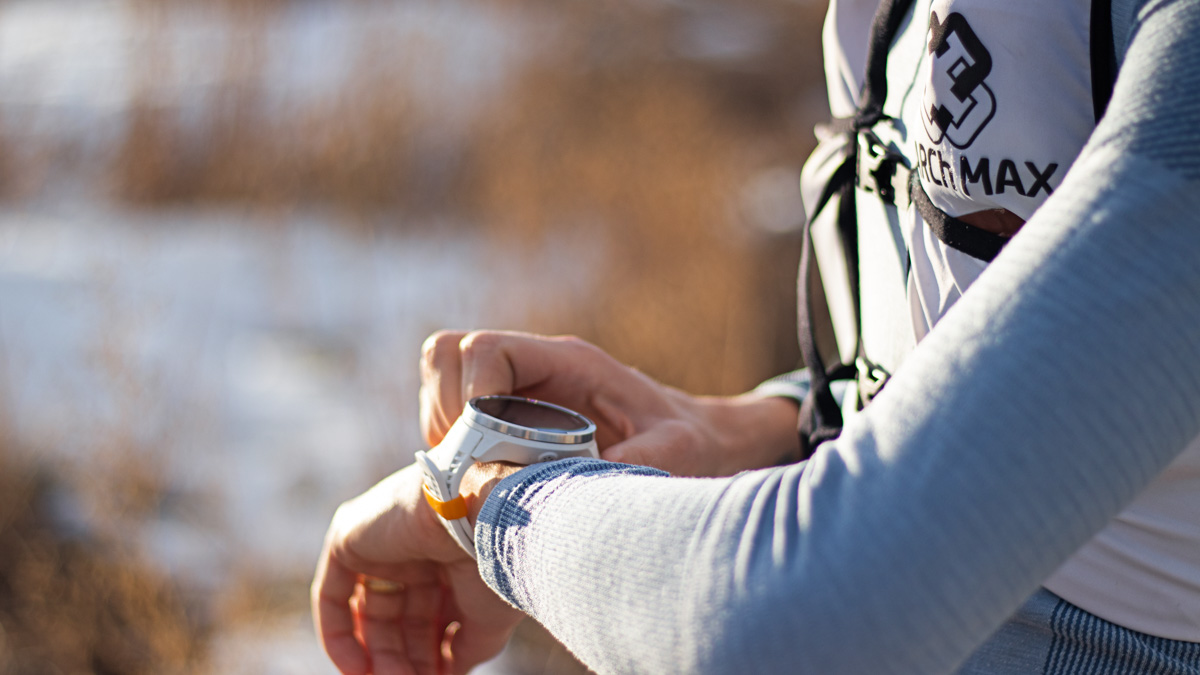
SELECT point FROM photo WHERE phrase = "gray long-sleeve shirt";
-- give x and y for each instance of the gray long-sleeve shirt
(1064, 380)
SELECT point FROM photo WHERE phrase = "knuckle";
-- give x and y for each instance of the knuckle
(343, 517)
(438, 344)
(576, 343)
(339, 516)
(582, 349)
(479, 342)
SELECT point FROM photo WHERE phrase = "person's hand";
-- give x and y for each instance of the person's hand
(638, 420)
(394, 593)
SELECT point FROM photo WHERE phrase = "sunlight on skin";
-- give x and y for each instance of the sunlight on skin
(441, 619)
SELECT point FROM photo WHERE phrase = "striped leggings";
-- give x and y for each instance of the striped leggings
(1050, 636)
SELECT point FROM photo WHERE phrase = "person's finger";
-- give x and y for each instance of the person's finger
(333, 586)
(381, 617)
(441, 384)
(424, 623)
(563, 370)
(558, 367)
(483, 622)
(356, 603)
(469, 644)
(434, 426)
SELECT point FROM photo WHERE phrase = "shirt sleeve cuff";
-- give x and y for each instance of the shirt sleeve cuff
(793, 385)
(512, 506)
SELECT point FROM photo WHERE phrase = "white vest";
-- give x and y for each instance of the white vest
(998, 110)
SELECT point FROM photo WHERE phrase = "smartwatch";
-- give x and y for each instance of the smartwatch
(498, 429)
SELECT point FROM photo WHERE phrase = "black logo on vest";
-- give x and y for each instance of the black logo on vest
(957, 103)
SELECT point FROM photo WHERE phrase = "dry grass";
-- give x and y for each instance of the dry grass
(74, 600)
(614, 133)
(611, 131)
(651, 151)
(72, 603)
(354, 150)
(632, 151)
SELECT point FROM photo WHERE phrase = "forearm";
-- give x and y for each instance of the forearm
(752, 431)
(616, 608)
(1061, 383)
(906, 543)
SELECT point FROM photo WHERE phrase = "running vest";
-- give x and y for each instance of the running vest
(954, 121)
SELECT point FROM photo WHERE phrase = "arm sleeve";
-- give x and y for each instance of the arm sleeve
(1064, 380)
(793, 385)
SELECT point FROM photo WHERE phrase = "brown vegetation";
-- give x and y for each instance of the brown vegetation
(651, 151)
(610, 130)
(73, 603)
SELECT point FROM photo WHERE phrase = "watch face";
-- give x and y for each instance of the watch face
(530, 414)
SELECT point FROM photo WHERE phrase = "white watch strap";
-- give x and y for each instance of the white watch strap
(463, 446)
(451, 508)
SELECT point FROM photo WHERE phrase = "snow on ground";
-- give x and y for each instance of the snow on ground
(268, 368)
(265, 364)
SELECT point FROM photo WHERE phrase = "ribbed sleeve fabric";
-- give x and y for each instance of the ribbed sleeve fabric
(793, 385)
(1060, 384)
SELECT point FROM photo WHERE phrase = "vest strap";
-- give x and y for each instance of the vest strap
(874, 169)
(1103, 56)
(975, 242)
(820, 415)
(884, 27)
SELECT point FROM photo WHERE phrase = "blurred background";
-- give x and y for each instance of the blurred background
(226, 226)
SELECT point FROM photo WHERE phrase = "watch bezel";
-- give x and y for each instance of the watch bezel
(585, 434)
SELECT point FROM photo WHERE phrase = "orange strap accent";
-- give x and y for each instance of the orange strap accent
(452, 510)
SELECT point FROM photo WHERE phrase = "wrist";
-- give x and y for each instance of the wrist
(753, 430)
(403, 491)
(478, 482)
